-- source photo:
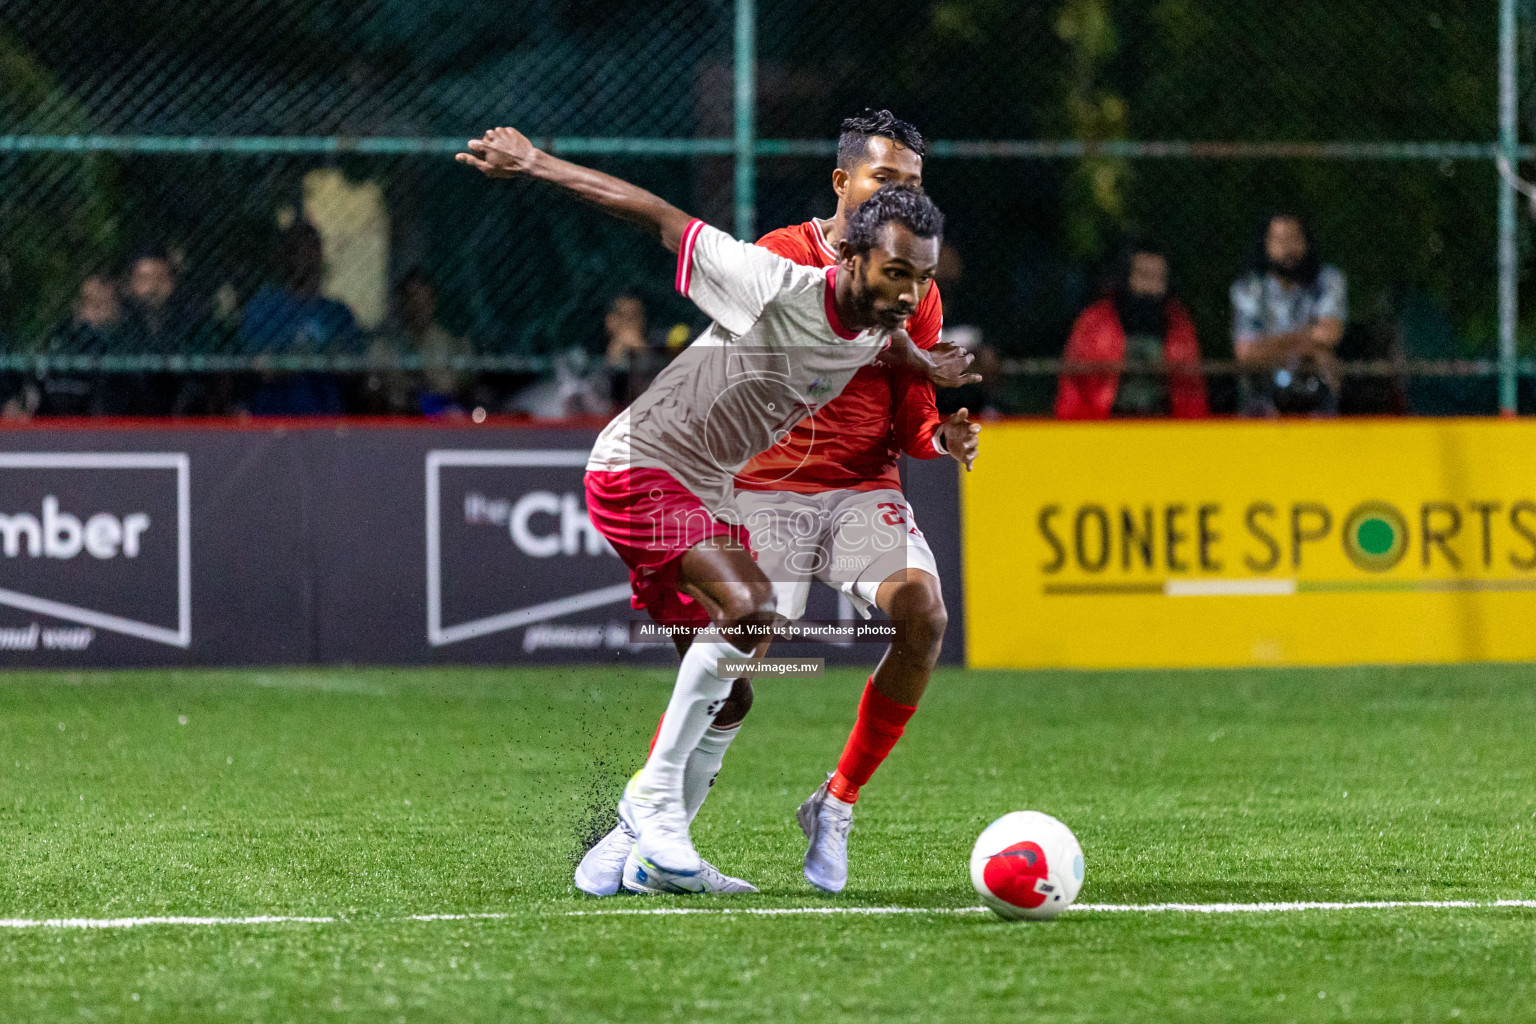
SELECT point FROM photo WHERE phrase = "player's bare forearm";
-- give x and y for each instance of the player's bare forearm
(616, 196)
(943, 364)
(507, 153)
(899, 353)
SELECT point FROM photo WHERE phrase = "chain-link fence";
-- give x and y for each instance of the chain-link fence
(159, 160)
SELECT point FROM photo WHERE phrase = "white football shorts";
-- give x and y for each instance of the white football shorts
(852, 541)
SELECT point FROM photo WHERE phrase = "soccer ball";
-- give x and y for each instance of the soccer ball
(1027, 865)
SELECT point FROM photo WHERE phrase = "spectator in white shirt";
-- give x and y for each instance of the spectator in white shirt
(1288, 315)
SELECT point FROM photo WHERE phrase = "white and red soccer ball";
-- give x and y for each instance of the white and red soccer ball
(1027, 865)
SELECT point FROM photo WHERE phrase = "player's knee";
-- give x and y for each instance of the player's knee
(736, 705)
(920, 607)
(762, 601)
(743, 604)
(746, 602)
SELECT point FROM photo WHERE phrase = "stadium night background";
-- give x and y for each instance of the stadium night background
(415, 416)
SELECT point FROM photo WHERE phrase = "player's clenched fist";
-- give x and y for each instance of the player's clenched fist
(500, 153)
(960, 438)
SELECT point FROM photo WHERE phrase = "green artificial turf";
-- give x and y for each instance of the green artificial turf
(373, 795)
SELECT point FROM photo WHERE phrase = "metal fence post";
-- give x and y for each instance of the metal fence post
(746, 127)
(1509, 268)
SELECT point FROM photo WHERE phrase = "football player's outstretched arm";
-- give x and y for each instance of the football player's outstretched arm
(507, 153)
(944, 364)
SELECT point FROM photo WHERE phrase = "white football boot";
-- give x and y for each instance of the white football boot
(825, 820)
(659, 823)
(638, 879)
(602, 869)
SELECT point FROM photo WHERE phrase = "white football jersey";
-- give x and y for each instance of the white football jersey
(774, 354)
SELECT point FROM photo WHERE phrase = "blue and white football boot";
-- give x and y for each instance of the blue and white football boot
(637, 879)
(659, 823)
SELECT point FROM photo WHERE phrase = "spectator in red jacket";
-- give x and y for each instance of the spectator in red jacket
(1141, 325)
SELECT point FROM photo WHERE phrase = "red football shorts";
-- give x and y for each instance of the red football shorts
(652, 521)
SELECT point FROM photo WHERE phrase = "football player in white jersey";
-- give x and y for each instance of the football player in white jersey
(785, 339)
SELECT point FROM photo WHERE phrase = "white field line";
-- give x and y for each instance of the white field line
(135, 922)
(86, 923)
(1113, 908)
(770, 911)
(139, 922)
(1281, 908)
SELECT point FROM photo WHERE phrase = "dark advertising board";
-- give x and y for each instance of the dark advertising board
(338, 544)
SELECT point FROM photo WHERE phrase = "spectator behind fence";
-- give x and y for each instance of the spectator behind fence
(161, 317)
(625, 326)
(577, 387)
(413, 330)
(1142, 325)
(293, 318)
(94, 328)
(1288, 316)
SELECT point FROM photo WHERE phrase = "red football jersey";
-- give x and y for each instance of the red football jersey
(852, 442)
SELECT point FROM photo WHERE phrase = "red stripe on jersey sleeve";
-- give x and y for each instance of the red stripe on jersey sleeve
(685, 256)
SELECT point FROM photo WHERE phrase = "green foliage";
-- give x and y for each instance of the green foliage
(1246, 71)
(1031, 231)
(58, 212)
(1096, 193)
(1315, 71)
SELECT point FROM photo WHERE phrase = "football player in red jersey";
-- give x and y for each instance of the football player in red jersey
(838, 470)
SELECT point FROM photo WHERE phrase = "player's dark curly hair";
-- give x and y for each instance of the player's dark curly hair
(899, 204)
(853, 143)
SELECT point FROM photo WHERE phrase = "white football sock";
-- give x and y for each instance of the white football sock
(696, 698)
(704, 764)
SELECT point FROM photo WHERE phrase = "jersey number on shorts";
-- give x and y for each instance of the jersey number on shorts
(896, 515)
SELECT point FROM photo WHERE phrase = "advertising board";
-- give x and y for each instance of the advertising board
(1246, 543)
(337, 543)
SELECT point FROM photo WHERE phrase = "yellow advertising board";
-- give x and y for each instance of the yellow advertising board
(1251, 543)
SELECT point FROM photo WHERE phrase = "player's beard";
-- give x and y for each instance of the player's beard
(867, 300)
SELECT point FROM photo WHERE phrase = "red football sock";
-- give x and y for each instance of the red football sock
(881, 723)
(656, 735)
